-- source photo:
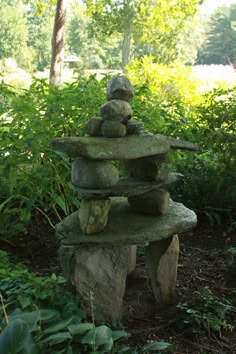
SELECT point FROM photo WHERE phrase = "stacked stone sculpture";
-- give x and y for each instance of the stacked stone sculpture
(98, 241)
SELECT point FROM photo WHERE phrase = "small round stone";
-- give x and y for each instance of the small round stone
(113, 129)
(151, 203)
(94, 174)
(119, 87)
(93, 127)
(116, 110)
(134, 126)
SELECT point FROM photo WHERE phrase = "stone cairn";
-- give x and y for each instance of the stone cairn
(98, 243)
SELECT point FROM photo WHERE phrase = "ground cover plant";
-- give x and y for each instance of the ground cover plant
(40, 316)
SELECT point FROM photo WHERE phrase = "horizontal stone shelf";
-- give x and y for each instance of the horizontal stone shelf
(127, 187)
(128, 147)
(127, 228)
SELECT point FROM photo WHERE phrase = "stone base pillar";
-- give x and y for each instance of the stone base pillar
(99, 273)
(132, 258)
(162, 260)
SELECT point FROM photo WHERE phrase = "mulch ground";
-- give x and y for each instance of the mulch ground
(202, 264)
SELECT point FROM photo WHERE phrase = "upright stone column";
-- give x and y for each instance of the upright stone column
(101, 271)
(162, 261)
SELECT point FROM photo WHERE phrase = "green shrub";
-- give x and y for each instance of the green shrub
(32, 175)
(207, 312)
(211, 173)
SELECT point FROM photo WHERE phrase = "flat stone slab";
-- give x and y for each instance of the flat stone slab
(127, 228)
(128, 147)
(127, 187)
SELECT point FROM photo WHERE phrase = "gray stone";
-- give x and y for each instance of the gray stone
(94, 127)
(99, 278)
(132, 258)
(119, 87)
(125, 228)
(182, 145)
(148, 168)
(162, 261)
(151, 203)
(113, 129)
(67, 262)
(129, 147)
(134, 126)
(116, 110)
(128, 187)
(88, 173)
(93, 215)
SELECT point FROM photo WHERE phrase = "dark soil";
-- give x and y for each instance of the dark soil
(202, 264)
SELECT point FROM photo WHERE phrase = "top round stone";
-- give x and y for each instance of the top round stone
(119, 87)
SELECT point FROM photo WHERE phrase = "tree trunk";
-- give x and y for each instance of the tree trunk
(126, 46)
(57, 59)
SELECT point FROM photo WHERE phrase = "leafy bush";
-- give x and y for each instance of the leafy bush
(207, 312)
(208, 185)
(165, 97)
(210, 174)
(33, 176)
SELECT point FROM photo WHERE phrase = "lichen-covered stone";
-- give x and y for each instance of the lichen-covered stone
(128, 187)
(99, 277)
(152, 203)
(132, 258)
(93, 215)
(99, 148)
(116, 110)
(149, 168)
(125, 228)
(113, 129)
(93, 127)
(119, 87)
(134, 126)
(88, 173)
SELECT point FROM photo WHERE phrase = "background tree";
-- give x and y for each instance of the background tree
(57, 44)
(220, 40)
(157, 24)
(13, 29)
(92, 51)
(39, 36)
(57, 57)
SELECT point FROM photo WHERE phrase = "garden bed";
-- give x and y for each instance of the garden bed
(203, 269)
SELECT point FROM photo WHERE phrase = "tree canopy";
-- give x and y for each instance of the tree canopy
(220, 37)
(157, 24)
(13, 29)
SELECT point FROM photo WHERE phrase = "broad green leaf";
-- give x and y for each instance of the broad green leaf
(124, 349)
(14, 337)
(59, 326)
(98, 336)
(25, 301)
(57, 338)
(156, 346)
(49, 315)
(116, 335)
(79, 328)
(106, 347)
(31, 318)
(61, 202)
